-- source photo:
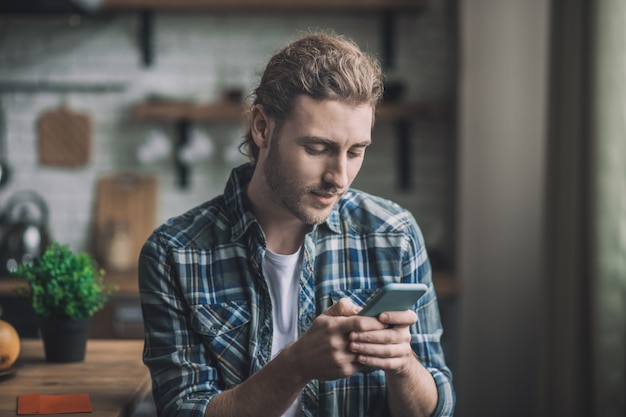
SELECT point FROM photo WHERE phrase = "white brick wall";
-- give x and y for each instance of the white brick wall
(195, 56)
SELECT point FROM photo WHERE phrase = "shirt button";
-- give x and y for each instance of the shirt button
(214, 329)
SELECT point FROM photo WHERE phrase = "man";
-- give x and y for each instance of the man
(250, 300)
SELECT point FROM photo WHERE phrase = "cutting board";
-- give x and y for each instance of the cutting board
(125, 215)
(64, 137)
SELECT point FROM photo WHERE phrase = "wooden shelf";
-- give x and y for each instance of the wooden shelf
(173, 111)
(386, 9)
(127, 284)
(266, 5)
(183, 113)
(407, 111)
(8, 285)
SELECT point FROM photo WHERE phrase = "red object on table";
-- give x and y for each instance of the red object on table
(53, 404)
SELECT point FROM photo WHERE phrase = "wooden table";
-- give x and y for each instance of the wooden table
(112, 374)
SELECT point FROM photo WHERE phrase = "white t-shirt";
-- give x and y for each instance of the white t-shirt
(282, 273)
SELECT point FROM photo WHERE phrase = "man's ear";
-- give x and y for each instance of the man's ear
(260, 126)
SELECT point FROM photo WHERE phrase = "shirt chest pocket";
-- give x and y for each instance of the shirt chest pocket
(358, 296)
(225, 330)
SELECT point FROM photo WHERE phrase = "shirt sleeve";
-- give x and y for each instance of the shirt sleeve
(427, 331)
(183, 382)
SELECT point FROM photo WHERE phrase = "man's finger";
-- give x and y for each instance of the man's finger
(343, 307)
(406, 317)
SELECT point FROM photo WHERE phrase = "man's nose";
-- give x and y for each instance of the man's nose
(337, 172)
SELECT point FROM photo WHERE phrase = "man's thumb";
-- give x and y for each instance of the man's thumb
(343, 307)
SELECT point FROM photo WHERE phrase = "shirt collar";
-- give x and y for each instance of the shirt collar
(333, 221)
(235, 200)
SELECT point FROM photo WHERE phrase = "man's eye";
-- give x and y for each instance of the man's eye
(315, 150)
(357, 152)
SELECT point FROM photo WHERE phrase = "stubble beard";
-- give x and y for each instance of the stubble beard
(288, 193)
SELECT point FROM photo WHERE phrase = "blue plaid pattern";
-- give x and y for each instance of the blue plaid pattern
(207, 308)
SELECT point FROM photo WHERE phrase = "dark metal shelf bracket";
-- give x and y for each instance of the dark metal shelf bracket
(146, 37)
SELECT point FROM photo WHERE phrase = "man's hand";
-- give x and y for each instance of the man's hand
(323, 351)
(340, 343)
(411, 389)
(388, 348)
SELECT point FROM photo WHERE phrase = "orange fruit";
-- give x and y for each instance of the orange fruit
(9, 345)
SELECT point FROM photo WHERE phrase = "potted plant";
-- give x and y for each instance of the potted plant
(65, 288)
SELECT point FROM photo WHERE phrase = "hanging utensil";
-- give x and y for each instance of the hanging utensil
(5, 169)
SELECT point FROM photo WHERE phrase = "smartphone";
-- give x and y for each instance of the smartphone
(393, 297)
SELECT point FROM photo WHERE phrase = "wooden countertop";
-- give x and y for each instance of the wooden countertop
(445, 282)
(112, 374)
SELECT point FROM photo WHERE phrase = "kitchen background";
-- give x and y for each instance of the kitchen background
(95, 67)
(74, 81)
(519, 187)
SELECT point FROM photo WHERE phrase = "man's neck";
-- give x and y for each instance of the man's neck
(283, 231)
(283, 246)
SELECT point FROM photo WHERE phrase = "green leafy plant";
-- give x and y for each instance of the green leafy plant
(64, 284)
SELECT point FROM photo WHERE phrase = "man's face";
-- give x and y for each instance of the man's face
(313, 159)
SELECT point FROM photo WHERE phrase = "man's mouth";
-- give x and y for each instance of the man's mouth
(325, 198)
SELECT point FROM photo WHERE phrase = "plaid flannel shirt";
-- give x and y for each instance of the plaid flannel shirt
(207, 308)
